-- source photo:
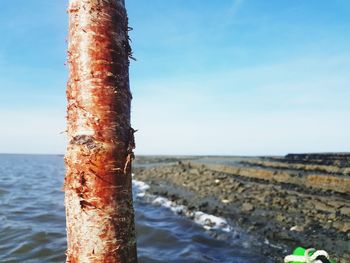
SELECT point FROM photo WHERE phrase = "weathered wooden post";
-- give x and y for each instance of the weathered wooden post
(98, 196)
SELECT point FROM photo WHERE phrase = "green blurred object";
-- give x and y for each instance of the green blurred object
(299, 251)
(302, 255)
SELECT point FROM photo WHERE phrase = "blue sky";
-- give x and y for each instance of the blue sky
(235, 77)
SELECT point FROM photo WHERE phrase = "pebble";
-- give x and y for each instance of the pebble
(247, 207)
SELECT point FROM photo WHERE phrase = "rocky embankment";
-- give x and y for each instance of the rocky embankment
(287, 203)
(334, 159)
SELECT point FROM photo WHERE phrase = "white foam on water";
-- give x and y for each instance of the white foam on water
(162, 201)
(267, 242)
(140, 188)
(211, 222)
(207, 221)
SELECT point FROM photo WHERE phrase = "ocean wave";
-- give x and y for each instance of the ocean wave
(207, 221)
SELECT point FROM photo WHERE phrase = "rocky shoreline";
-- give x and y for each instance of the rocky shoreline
(284, 204)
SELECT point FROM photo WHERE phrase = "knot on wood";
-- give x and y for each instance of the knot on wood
(86, 140)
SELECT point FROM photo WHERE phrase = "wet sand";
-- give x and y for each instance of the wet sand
(283, 201)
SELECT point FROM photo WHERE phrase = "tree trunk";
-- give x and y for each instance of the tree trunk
(98, 195)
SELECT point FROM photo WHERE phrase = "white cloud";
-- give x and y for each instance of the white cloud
(297, 106)
(299, 82)
(244, 134)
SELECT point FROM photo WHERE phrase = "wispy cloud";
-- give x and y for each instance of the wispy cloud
(234, 8)
(309, 79)
(224, 77)
(299, 105)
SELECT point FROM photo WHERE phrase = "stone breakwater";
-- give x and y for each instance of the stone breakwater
(285, 203)
(336, 159)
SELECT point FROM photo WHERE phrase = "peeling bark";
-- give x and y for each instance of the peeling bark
(98, 195)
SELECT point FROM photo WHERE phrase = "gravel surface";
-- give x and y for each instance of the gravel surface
(244, 191)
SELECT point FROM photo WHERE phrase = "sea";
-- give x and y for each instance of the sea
(32, 221)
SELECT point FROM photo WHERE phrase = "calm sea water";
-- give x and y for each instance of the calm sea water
(32, 221)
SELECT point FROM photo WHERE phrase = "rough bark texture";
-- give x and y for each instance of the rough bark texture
(98, 196)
